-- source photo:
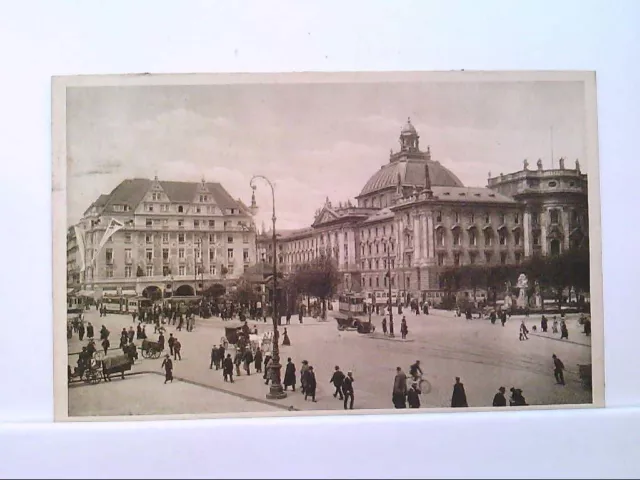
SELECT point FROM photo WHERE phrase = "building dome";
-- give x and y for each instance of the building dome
(411, 173)
(408, 129)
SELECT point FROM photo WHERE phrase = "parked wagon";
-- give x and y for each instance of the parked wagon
(354, 313)
(151, 349)
(236, 334)
(117, 364)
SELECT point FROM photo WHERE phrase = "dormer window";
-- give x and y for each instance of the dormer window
(180, 209)
(149, 208)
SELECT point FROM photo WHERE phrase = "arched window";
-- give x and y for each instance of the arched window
(440, 237)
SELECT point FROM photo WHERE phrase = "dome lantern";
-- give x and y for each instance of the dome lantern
(409, 138)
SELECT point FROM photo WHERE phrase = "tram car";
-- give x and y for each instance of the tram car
(125, 305)
(353, 313)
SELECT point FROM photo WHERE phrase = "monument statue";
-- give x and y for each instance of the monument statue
(577, 165)
(522, 285)
(525, 164)
(561, 162)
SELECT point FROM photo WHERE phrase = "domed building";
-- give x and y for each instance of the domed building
(415, 218)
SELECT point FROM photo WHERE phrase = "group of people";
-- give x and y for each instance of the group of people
(544, 327)
(389, 332)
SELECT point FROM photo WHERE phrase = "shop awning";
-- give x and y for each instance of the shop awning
(129, 293)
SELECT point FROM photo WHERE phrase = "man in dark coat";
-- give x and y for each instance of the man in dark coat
(258, 360)
(81, 331)
(459, 396)
(167, 364)
(384, 326)
(499, 400)
(227, 369)
(337, 379)
(161, 341)
(290, 375)
(214, 358)
(105, 345)
(391, 328)
(310, 384)
(564, 331)
(399, 395)
(131, 334)
(90, 331)
(347, 389)
(544, 324)
(247, 358)
(177, 346)
(413, 396)
(171, 342)
(558, 369)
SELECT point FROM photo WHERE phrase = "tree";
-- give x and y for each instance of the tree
(244, 292)
(318, 278)
(216, 290)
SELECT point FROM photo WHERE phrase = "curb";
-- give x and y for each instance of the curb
(208, 387)
(559, 340)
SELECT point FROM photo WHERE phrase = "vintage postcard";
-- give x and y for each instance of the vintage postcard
(325, 243)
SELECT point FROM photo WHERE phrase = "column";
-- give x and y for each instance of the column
(352, 246)
(526, 237)
(543, 231)
(341, 250)
(417, 241)
(431, 250)
(565, 229)
(424, 237)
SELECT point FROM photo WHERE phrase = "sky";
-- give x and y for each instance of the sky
(312, 140)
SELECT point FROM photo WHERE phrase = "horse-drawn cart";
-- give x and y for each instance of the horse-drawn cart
(151, 349)
(116, 364)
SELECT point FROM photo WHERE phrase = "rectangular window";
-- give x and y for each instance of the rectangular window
(165, 254)
(109, 272)
(503, 258)
(127, 238)
(198, 210)
(536, 239)
(245, 238)
(212, 224)
(196, 224)
(245, 254)
(181, 238)
(456, 238)
(127, 255)
(472, 258)
(109, 256)
(181, 270)
(165, 222)
(165, 238)
(212, 254)
(230, 253)
(181, 253)
(212, 269)
(148, 238)
(439, 216)
(127, 271)
(149, 270)
(440, 259)
(370, 281)
(149, 207)
(149, 223)
(149, 255)
(555, 216)
(181, 223)
(377, 282)
(230, 240)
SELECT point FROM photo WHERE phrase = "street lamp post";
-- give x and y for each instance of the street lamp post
(196, 254)
(275, 390)
(389, 275)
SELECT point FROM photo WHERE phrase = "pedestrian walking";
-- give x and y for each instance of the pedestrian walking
(167, 364)
(177, 346)
(290, 375)
(227, 369)
(303, 371)
(347, 390)
(337, 379)
(517, 399)
(131, 334)
(523, 331)
(459, 396)
(413, 395)
(214, 357)
(171, 342)
(258, 360)
(237, 361)
(105, 345)
(558, 369)
(544, 324)
(310, 384)
(554, 326)
(248, 360)
(81, 331)
(404, 329)
(564, 331)
(90, 331)
(499, 400)
(384, 326)
(161, 341)
(399, 395)
(267, 369)
(286, 341)
(391, 327)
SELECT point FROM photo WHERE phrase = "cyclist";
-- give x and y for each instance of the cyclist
(416, 372)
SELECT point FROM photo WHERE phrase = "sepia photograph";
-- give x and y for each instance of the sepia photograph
(325, 243)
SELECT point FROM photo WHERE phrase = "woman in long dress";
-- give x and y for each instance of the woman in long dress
(286, 341)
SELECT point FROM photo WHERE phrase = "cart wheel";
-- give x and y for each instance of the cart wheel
(95, 378)
(156, 354)
(145, 353)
